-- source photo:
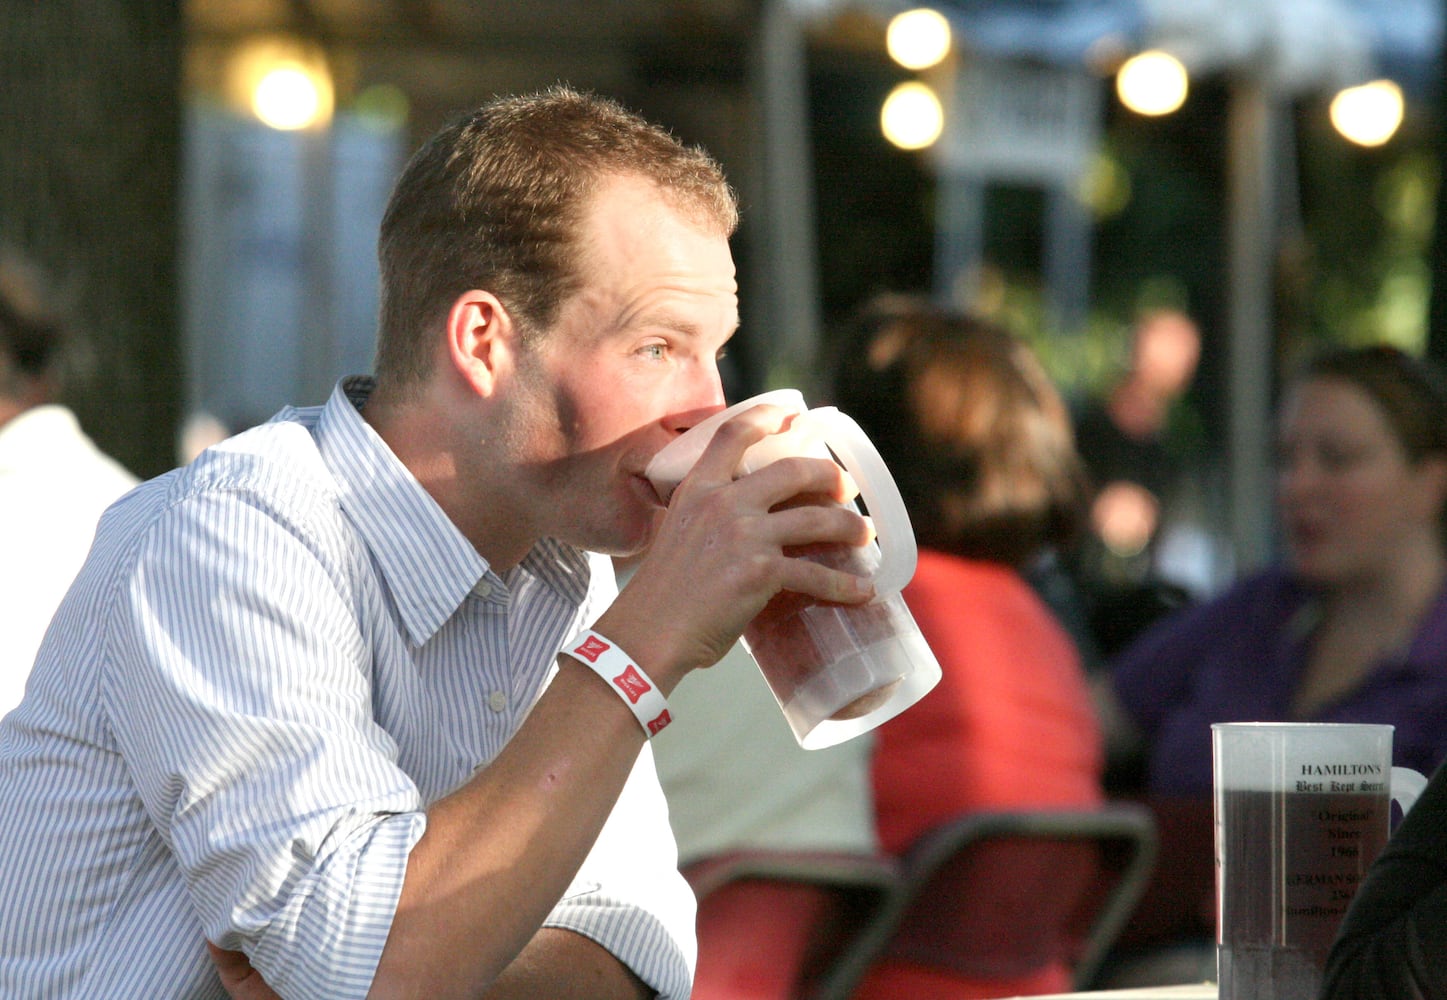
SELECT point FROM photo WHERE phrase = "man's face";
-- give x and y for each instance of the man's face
(1168, 348)
(631, 363)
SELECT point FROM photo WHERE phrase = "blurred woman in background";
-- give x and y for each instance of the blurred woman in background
(981, 446)
(1352, 625)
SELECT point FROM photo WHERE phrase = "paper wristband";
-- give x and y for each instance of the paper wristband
(624, 676)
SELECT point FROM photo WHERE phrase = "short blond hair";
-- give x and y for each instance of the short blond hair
(495, 200)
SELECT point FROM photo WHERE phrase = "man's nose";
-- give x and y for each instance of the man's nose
(703, 398)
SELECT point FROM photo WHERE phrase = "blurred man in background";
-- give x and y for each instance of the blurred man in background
(1123, 437)
(54, 481)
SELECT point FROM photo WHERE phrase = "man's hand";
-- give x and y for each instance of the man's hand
(727, 546)
(242, 982)
(1125, 515)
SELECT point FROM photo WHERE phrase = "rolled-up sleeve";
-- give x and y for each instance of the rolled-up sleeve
(236, 682)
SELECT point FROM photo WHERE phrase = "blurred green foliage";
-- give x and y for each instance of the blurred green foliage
(1353, 261)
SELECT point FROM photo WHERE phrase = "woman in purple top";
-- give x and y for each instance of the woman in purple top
(1353, 626)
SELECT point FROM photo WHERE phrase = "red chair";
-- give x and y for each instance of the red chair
(1010, 901)
(771, 924)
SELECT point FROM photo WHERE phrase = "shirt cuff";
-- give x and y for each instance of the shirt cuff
(640, 939)
(328, 941)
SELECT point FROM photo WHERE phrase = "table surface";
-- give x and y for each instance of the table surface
(1191, 991)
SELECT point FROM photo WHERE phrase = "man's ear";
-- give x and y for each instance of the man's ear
(481, 340)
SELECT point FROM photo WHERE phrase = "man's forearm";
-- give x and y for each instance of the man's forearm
(558, 963)
(1390, 943)
(1400, 960)
(499, 852)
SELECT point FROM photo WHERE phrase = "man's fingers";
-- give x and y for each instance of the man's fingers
(816, 524)
(829, 586)
(803, 531)
(735, 436)
(231, 964)
(241, 981)
(798, 481)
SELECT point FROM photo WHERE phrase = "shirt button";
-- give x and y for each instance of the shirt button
(497, 701)
(482, 589)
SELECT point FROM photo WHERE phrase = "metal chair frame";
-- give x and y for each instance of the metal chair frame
(1118, 824)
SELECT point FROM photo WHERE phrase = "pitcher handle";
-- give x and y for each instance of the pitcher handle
(1407, 785)
(892, 530)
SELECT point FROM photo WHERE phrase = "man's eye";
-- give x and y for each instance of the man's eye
(654, 352)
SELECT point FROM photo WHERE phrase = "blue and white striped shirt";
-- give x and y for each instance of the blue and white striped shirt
(272, 661)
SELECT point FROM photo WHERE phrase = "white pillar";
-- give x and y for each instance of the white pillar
(1253, 128)
(785, 262)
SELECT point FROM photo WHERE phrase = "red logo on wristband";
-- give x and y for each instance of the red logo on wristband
(663, 719)
(632, 684)
(591, 649)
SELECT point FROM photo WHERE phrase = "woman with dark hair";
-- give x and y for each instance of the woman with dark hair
(981, 446)
(1349, 626)
(1352, 625)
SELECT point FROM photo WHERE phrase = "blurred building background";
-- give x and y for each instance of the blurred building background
(205, 177)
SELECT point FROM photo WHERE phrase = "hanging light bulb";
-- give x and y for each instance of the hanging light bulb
(286, 97)
(1368, 115)
(912, 116)
(918, 39)
(284, 82)
(1152, 83)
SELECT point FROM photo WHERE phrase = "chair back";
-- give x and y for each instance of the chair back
(1003, 894)
(773, 923)
(1179, 901)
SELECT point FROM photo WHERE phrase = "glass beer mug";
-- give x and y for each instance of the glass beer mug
(836, 671)
(1302, 810)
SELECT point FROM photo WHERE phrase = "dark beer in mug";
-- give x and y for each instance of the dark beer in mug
(1297, 858)
(1302, 811)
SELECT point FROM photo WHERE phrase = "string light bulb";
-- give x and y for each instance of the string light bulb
(912, 116)
(1370, 114)
(918, 39)
(1152, 83)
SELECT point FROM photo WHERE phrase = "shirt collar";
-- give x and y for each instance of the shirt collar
(428, 564)
(561, 567)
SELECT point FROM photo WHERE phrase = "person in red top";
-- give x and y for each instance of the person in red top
(981, 446)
